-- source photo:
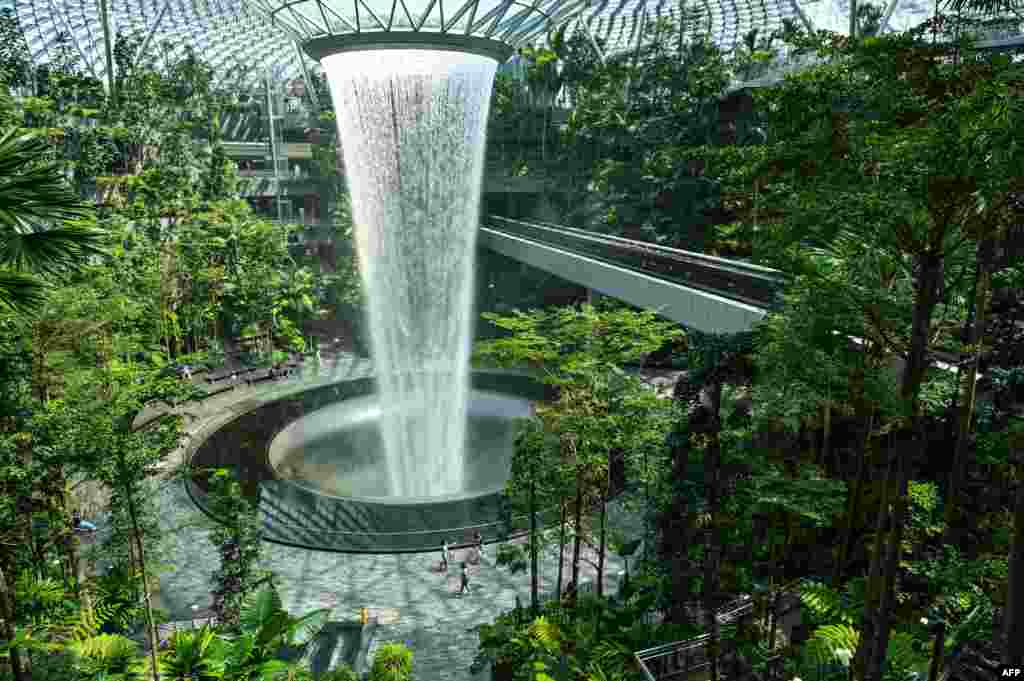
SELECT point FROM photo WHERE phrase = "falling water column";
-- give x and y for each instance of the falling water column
(412, 126)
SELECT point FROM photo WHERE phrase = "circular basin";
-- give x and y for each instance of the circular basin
(314, 463)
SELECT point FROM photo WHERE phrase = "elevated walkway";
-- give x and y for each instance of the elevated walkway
(703, 292)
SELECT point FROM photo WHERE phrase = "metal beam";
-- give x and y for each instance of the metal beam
(152, 32)
(803, 16)
(71, 35)
(108, 50)
(305, 76)
(696, 309)
(593, 40)
(273, 143)
(636, 52)
(884, 26)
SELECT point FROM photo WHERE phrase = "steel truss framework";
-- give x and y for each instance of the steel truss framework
(253, 36)
(236, 40)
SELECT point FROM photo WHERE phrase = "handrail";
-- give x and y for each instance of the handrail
(743, 282)
(737, 266)
(675, 646)
(727, 614)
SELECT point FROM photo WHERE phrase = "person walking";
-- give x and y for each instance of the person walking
(465, 580)
(479, 539)
(444, 556)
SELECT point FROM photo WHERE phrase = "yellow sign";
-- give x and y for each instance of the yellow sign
(379, 615)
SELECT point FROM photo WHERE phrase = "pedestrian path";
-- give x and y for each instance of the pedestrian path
(420, 601)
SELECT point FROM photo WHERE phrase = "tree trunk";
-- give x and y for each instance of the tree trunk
(154, 639)
(534, 596)
(1013, 615)
(926, 297)
(973, 338)
(561, 550)
(603, 538)
(863, 654)
(853, 507)
(712, 476)
(19, 666)
(577, 536)
(826, 443)
(881, 645)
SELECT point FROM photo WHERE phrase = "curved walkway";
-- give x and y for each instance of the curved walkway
(419, 603)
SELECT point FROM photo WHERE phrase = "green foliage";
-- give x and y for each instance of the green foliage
(237, 539)
(391, 662)
(36, 594)
(105, 656)
(340, 673)
(568, 342)
(826, 605)
(115, 598)
(43, 224)
(925, 507)
(514, 556)
(809, 495)
(830, 642)
(198, 654)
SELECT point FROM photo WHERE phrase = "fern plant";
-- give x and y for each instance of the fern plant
(110, 657)
(827, 606)
(115, 601)
(832, 643)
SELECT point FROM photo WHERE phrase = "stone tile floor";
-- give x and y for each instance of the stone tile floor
(436, 622)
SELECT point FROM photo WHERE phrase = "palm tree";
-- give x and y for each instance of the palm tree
(42, 230)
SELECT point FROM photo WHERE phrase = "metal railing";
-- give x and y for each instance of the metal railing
(679, 659)
(674, 660)
(734, 279)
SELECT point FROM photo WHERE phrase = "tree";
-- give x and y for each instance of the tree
(236, 536)
(855, 162)
(105, 444)
(580, 352)
(529, 486)
(642, 124)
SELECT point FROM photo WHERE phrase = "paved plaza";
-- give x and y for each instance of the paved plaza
(418, 603)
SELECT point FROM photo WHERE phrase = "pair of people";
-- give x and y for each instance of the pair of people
(464, 576)
(446, 554)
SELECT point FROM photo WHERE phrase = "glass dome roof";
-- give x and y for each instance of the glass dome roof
(266, 34)
(237, 41)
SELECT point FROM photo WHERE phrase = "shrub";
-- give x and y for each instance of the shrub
(392, 662)
(340, 673)
(513, 556)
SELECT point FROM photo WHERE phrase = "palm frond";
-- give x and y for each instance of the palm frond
(38, 210)
(30, 189)
(49, 250)
(258, 607)
(21, 293)
(305, 628)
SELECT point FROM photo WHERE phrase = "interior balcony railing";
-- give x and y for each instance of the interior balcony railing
(734, 279)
